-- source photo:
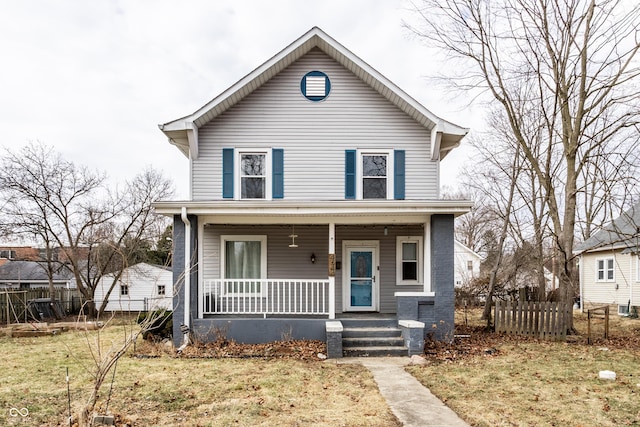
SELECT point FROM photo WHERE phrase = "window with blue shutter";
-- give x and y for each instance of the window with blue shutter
(398, 175)
(278, 173)
(350, 174)
(227, 173)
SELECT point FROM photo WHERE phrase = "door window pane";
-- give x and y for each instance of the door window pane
(361, 278)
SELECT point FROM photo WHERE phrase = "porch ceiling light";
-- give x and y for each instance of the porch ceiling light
(293, 236)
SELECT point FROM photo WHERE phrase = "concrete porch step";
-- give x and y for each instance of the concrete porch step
(373, 341)
(357, 332)
(375, 351)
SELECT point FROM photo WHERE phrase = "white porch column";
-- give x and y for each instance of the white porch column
(332, 270)
(426, 258)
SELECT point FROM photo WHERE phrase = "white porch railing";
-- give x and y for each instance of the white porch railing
(267, 296)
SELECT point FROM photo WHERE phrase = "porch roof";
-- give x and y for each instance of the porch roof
(315, 212)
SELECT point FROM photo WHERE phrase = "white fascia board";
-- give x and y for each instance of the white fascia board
(255, 75)
(192, 136)
(436, 139)
(604, 248)
(362, 212)
(467, 249)
(313, 38)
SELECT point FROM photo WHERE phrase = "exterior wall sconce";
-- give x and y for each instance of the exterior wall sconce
(313, 258)
(386, 230)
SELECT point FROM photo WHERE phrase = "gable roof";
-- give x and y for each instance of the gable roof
(622, 233)
(468, 250)
(31, 272)
(183, 132)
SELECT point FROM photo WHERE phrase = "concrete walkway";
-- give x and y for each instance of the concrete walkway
(412, 403)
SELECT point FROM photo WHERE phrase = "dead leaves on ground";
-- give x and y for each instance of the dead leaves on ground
(293, 349)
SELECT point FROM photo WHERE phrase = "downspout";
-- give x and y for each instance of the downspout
(187, 277)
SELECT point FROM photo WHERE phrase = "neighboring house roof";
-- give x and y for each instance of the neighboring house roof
(183, 132)
(464, 248)
(622, 233)
(31, 272)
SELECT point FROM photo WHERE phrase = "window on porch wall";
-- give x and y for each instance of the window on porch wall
(243, 259)
(409, 258)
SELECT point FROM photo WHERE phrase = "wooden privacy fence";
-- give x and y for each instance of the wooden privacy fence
(13, 303)
(541, 319)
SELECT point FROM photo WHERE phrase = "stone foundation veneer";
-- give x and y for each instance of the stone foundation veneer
(334, 339)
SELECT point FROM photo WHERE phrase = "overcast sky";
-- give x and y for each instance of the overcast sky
(95, 78)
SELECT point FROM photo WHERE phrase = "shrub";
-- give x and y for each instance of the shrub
(160, 324)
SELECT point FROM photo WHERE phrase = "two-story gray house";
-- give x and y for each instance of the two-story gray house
(314, 200)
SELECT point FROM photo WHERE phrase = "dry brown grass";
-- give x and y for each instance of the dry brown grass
(505, 381)
(171, 391)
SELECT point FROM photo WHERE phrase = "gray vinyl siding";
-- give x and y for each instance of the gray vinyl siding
(284, 262)
(314, 135)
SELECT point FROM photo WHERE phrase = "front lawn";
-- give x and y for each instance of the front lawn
(494, 380)
(172, 391)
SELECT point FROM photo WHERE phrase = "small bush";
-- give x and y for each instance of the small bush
(161, 325)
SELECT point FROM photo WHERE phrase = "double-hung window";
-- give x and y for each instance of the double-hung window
(244, 263)
(375, 174)
(124, 290)
(605, 270)
(409, 268)
(254, 174)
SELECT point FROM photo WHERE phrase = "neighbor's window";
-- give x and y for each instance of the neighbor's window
(124, 289)
(604, 270)
(253, 175)
(409, 260)
(469, 265)
(161, 290)
(244, 258)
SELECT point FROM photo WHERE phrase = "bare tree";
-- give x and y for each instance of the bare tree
(569, 62)
(58, 203)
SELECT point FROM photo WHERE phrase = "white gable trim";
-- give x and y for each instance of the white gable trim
(177, 130)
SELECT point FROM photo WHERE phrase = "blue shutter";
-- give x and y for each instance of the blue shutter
(227, 173)
(350, 174)
(398, 174)
(277, 156)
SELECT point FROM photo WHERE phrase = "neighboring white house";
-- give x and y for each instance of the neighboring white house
(467, 264)
(142, 287)
(610, 266)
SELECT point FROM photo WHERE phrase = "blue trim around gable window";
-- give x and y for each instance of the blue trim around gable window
(398, 174)
(227, 173)
(277, 156)
(327, 86)
(350, 174)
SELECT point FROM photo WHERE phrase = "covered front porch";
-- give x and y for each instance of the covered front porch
(386, 257)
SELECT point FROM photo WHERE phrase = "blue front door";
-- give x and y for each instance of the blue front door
(361, 288)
